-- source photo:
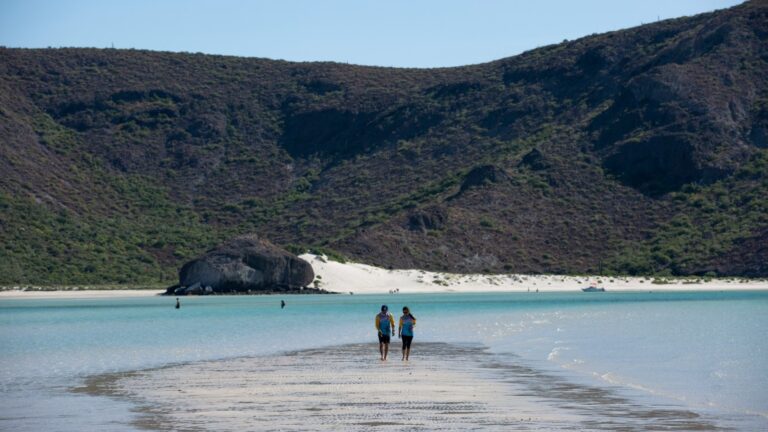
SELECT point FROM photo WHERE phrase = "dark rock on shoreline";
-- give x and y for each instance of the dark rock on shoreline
(245, 264)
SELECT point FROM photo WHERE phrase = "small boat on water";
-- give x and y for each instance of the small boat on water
(593, 289)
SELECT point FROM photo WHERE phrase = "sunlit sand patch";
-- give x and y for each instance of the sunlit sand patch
(344, 387)
(443, 387)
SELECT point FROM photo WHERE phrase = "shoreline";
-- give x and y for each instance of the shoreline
(356, 278)
(78, 294)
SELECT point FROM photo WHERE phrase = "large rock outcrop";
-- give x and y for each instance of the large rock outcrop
(482, 175)
(428, 219)
(243, 264)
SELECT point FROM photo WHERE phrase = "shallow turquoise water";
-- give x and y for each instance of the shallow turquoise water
(704, 351)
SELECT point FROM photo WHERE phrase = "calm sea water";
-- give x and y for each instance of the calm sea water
(707, 352)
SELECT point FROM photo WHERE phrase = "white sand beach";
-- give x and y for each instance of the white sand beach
(360, 278)
(365, 279)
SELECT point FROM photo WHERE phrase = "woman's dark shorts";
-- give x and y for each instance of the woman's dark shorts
(383, 338)
(407, 341)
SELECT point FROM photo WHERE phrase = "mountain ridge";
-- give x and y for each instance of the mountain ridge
(638, 151)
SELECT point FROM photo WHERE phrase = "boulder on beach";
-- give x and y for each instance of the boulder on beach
(244, 264)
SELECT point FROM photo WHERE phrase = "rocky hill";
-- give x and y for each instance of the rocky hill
(641, 151)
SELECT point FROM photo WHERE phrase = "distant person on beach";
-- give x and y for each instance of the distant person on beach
(384, 322)
(282, 304)
(405, 331)
(178, 305)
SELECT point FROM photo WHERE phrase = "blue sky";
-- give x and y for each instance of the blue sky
(427, 33)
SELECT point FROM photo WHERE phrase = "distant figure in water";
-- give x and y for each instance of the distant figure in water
(384, 322)
(178, 305)
(282, 304)
(405, 331)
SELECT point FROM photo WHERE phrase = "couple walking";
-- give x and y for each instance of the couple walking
(385, 322)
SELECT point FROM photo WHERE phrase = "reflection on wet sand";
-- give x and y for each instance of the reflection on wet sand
(443, 387)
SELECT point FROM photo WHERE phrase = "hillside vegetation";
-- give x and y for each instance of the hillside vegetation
(642, 151)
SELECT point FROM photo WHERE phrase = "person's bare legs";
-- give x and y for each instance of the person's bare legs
(407, 353)
(386, 351)
(381, 350)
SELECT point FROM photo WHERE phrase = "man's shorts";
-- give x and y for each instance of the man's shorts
(383, 338)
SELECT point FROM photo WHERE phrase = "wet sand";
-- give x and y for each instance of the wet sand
(443, 387)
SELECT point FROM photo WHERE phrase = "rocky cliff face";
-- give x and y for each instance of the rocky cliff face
(245, 264)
